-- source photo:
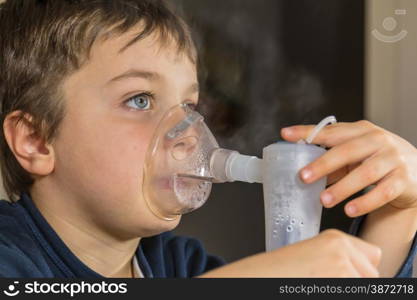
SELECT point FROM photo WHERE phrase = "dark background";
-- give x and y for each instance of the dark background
(267, 64)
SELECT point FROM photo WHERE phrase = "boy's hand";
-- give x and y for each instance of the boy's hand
(330, 254)
(362, 154)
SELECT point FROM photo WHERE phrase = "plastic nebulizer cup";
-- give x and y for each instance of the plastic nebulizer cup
(292, 208)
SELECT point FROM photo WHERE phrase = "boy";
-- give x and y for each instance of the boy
(82, 87)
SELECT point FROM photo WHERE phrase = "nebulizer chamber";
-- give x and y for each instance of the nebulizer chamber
(292, 208)
(184, 160)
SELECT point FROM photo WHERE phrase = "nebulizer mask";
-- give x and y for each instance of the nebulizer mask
(184, 160)
(177, 175)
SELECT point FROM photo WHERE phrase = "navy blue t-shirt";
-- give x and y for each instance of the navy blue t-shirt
(29, 247)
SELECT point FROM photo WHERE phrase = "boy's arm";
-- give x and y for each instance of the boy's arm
(332, 253)
(394, 231)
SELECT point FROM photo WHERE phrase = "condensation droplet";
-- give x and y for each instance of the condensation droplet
(276, 221)
(301, 223)
(292, 221)
(289, 228)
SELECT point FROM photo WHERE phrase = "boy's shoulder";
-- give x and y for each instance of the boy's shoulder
(178, 255)
(11, 229)
(19, 254)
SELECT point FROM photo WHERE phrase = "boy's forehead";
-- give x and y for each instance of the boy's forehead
(149, 50)
(106, 61)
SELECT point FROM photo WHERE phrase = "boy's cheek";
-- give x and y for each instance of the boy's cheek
(105, 153)
(108, 174)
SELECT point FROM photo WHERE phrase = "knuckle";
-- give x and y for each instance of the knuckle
(390, 141)
(332, 233)
(377, 254)
(399, 157)
(335, 237)
(380, 137)
(332, 135)
(370, 173)
(402, 159)
(327, 138)
(366, 124)
(394, 151)
(388, 192)
(346, 150)
(403, 175)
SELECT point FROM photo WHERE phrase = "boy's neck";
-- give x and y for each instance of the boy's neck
(98, 250)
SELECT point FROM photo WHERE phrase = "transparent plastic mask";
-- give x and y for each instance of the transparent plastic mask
(177, 177)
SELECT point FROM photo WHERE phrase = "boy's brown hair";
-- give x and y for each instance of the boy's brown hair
(44, 41)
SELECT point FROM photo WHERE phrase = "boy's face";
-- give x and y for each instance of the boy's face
(113, 105)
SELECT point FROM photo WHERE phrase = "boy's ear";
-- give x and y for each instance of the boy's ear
(31, 151)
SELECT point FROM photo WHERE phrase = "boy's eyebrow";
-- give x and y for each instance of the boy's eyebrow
(136, 73)
(151, 76)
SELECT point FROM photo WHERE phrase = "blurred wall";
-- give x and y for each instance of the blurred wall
(391, 67)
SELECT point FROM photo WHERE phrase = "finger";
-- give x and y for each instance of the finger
(371, 252)
(369, 172)
(387, 190)
(330, 135)
(340, 156)
(352, 271)
(362, 264)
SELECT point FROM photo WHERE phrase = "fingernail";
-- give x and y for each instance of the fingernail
(306, 174)
(287, 131)
(351, 209)
(326, 198)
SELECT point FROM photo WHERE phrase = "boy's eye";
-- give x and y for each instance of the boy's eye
(192, 106)
(140, 102)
